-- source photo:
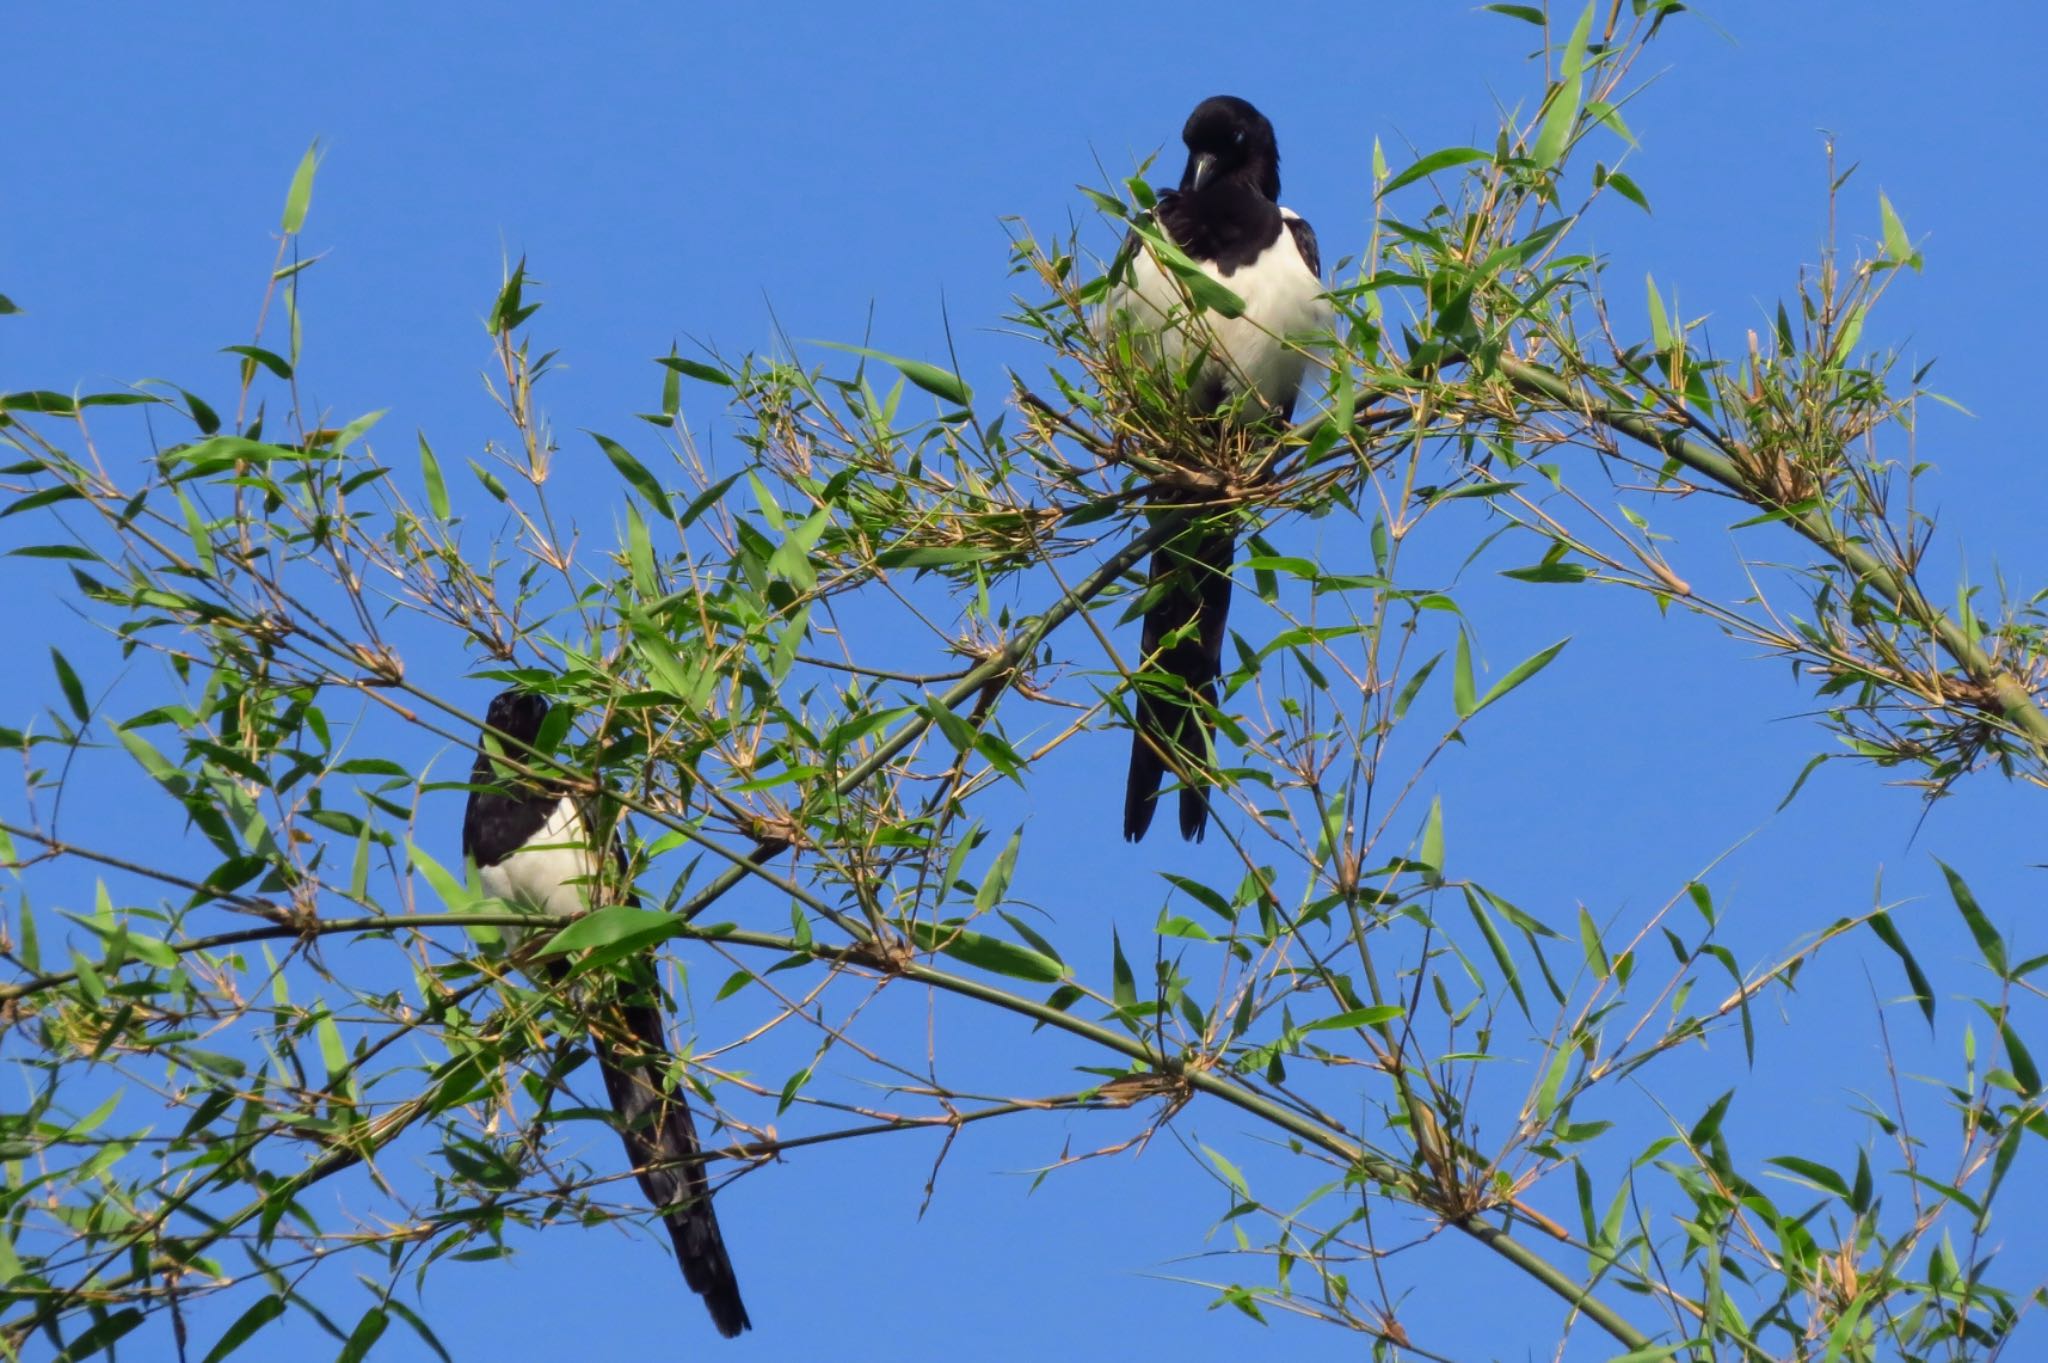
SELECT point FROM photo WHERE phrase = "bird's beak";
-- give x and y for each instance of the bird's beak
(1200, 169)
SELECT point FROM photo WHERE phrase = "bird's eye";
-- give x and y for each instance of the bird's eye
(1238, 137)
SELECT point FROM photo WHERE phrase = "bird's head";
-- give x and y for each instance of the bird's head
(1229, 140)
(517, 714)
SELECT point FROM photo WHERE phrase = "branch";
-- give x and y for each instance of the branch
(2022, 711)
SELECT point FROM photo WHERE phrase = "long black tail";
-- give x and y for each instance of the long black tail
(658, 1132)
(1191, 577)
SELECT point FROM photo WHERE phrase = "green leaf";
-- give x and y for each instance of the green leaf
(1464, 696)
(703, 373)
(1432, 163)
(634, 472)
(1521, 672)
(1589, 942)
(708, 498)
(939, 382)
(2023, 1067)
(1208, 293)
(48, 496)
(620, 926)
(1497, 945)
(41, 400)
(7, 306)
(100, 1338)
(1817, 1174)
(1553, 1079)
(333, 1053)
(1549, 572)
(1709, 1125)
(419, 1327)
(640, 554)
(430, 474)
(996, 883)
(1888, 933)
(932, 556)
(489, 480)
(1628, 189)
(1564, 100)
(988, 953)
(1897, 246)
(349, 434)
(368, 1330)
(68, 683)
(1988, 940)
(1660, 323)
(270, 360)
(1656, 1353)
(257, 1316)
(1414, 687)
(454, 895)
(1231, 1174)
(1358, 1017)
(1038, 943)
(1123, 984)
(300, 195)
(1431, 853)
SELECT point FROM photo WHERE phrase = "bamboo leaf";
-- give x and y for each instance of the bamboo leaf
(1815, 1173)
(996, 883)
(1231, 1174)
(1888, 933)
(1463, 694)
(1898, 247)
(1432, 163)
(68, 683)
(100, 1338)
(367, 1332)
(634, 472)
(1988, 940)
(257, 1316)
(989, 953)
(1661, 334)
(1521, 672)
(1431, 851)
(1553, 1079)
(1563, 113)
(703, 373)
(934, 380)
(1358, 1017)
(615, 925)
(430, 474)
(300, 196)
(1123, 985)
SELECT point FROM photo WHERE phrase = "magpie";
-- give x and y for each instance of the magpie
(536, 847)
(1247, 371)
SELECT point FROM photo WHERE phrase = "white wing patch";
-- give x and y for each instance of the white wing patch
(1261, 351)
(555, 873)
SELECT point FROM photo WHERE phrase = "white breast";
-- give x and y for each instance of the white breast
(1262, 350)
(554, 873)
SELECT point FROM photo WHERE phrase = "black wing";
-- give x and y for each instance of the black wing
(1305, 242)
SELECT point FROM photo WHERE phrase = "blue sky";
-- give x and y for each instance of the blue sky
(704, 173)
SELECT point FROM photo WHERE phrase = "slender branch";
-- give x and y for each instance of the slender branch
(2021, 709)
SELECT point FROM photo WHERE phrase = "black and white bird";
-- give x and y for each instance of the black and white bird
(1225, 217)
(536, 848)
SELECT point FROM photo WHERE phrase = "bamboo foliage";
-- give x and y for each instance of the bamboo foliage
(810, 681)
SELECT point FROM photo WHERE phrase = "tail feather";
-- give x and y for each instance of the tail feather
(1172, 729)
(661, 1141)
